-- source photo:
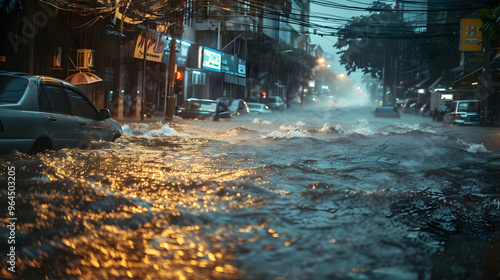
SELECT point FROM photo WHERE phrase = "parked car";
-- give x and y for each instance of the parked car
(203, 109)
(462, 112)
(39, 113)
(399, 103)
(386, 112)
(438, 112)
(310, 99)
(258, 108)
(236, 106)
(275, 103)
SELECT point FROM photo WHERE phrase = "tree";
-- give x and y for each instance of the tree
(491, 22)
(376, 44)
(364, 41)
(491, 29)
(11, 6)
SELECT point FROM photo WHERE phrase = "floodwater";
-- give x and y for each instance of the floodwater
(309, 193)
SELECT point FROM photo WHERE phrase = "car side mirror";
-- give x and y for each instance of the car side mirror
(105, 114)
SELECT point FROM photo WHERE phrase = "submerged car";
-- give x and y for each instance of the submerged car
(276, 103)
(203, 109)
(462, 112)
(258, 108)
(310, 99)
(386, 112)
(39, 113)
(236, 106)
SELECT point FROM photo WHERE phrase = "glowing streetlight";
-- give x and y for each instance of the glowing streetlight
(342, 75)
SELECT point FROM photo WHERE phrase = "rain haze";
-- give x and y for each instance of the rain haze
(247, 159)
(330, 17)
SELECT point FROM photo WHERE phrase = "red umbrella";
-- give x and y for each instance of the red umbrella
(83, 78)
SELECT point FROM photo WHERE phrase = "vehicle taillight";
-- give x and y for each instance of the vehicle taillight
(456, 115)
(1, 126)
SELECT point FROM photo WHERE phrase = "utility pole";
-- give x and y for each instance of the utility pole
(121, 82)
(396, 54)
(486, 81)
(144, 66)
(177, 29)
(171, 76)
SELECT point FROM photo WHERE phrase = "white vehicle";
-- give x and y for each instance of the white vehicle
(40, 113)
(463, 112)
(258, 108)
(439, 101)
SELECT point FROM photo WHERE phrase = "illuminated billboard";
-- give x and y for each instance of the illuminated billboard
(211, 59)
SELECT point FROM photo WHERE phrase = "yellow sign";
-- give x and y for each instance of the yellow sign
(155, 46)
(471, 35)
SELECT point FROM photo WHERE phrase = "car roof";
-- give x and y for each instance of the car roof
(201, 100)
(42, 78)
(467, 100)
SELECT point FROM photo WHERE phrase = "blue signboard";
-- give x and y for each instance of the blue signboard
(212, 59)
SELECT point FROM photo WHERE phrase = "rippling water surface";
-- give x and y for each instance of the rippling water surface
(329, 193)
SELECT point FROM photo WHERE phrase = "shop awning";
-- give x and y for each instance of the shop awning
(421, 83)
(436, 82)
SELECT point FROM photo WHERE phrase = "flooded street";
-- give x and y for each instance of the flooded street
(308, 193)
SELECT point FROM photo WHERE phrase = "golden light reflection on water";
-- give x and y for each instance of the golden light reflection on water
(178, 208)
(121, 214)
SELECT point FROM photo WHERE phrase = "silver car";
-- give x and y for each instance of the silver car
(276, 103)
(39, 113)
(462, 112)
(258, 108)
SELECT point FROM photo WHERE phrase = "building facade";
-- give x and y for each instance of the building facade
(224, 48)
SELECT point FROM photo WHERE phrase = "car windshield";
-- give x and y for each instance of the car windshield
(254, 106)
(226, 100)
(12, 89)
(234, 106)
(199, 106)
(470, 107)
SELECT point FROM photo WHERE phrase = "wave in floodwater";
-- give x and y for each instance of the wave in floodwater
(293, 200)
